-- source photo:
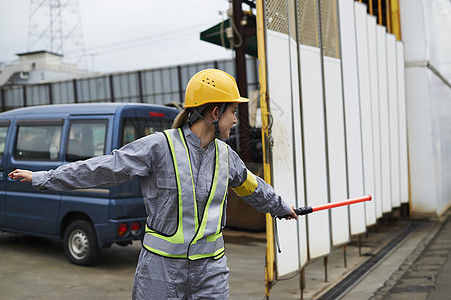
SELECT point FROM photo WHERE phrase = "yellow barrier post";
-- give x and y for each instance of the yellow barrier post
(269, 268)
(395, 19)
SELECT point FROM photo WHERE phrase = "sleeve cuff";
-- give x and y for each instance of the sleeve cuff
(38, 180)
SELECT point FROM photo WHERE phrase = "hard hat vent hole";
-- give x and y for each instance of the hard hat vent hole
(208, 81)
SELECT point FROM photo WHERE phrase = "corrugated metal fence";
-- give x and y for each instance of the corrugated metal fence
(155, 86)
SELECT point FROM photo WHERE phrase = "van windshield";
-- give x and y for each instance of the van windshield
(134, 128)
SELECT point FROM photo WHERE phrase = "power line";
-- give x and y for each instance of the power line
(143, 41)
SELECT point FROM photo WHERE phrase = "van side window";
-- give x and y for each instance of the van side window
(38, 142)
(86, 139)
(135, 128)
(3, 132)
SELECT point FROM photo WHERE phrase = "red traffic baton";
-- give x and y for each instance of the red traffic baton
(309, 209)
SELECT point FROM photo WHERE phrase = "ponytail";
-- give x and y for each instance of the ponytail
(181, 119)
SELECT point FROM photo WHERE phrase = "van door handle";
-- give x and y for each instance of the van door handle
(6, 175)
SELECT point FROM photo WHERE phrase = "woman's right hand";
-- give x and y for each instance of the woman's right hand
(23, 175)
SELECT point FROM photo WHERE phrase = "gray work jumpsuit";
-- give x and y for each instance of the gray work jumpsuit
(149, 158)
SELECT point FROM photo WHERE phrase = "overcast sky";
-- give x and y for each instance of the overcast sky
(126, 35)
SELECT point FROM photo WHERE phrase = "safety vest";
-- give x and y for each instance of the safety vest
(194, 238)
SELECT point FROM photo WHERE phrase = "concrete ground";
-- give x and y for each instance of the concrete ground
(418, 268)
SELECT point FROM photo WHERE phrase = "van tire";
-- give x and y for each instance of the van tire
(80, 243)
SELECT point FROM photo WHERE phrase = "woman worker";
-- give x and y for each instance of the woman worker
(185, 174)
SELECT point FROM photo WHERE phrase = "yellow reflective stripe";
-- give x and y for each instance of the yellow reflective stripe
(218, 230)
(174, 239)
(178, 236)
(203, 225)
(248, 186)
(214, 237)
(215, 254)
(196, 220)
(219, 256)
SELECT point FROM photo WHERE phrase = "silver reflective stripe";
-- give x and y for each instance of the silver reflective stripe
(165, 246)
(206, 247)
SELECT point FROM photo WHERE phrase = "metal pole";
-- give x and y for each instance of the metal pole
(111, 87)
(302, 282)
(140, 87)
(360, 245)
(179, 79)
(325, 259)
(3, 99)
(241, 79)
(345, 259)
(24, 96)
(50, 93)
(74, 84)
(326, 138)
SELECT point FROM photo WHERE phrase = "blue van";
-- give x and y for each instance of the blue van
(45, 137)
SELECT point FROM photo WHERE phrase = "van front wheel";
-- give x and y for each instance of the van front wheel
(80, 243)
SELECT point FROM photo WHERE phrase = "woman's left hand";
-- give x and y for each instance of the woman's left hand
(23, 175)
(292, 214)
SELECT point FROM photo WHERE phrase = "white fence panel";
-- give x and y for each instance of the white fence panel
(280, 93)
(394, 119)
(298, 150)
(336, 149)
(404, 168)
(352, 113)
(314, 150)
(384, 117)
(363, 64)
(374, 85)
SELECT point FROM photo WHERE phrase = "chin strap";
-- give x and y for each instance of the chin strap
(196, 113)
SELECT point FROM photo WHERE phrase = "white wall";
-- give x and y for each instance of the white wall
(426, 32)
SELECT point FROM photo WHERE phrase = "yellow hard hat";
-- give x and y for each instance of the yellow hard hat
(211, 86)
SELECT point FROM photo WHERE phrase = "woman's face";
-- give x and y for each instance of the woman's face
(228, 119)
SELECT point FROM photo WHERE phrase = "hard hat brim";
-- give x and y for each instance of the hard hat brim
(239, 100)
